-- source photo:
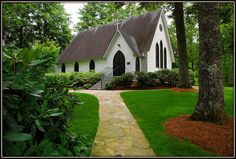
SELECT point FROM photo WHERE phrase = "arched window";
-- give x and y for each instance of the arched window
(137, 65)
(157, 56)
(161, 51)
(76, 67)
(91, 65)
(63, 68)
(165, 58)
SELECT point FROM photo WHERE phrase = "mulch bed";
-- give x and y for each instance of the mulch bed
(158, 87)
(209, 136)
(184, 89)
(140, 88)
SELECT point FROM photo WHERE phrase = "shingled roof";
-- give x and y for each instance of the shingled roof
(92, 43)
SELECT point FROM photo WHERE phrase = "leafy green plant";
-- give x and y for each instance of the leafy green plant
(123, 80)
(87, 86)
(110, 86)
(147, 79)
(77, 79)
(35, 108)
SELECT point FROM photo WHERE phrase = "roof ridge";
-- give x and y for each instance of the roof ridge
(123, 20)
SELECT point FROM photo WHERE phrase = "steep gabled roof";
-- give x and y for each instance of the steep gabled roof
(92, 43)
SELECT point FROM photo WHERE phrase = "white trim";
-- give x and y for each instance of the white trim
(109, 46)
(111, 42)
(167, 36)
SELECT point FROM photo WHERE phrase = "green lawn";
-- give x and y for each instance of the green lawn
(151, 108)
(85, 118)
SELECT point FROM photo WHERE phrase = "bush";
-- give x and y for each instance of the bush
(123, 80)
(77, 79)
(171, 77)
(87, 86)
(167, 77)
(110, 86)
(35, 108)
(149, 79)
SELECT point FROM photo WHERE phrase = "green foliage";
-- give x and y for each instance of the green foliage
(123, 80)
(25, 23)
(94, 14)
(167, 77)
(171, 77)
(84, 122)
(87, 85)
(227, 40)
(147, 79)
(76, 79)
(156, 107)
(35, 108)
(26, 57)
(110, 86)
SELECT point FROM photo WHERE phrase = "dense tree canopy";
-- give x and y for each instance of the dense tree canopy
(95, 14)
(26, 23)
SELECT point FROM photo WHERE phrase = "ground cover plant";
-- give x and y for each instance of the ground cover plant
(152, 108)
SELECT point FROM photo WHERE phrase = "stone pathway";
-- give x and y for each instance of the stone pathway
(118, 133)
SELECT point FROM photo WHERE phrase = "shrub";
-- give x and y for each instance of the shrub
(77, 79)
(147, 79)
(87, 86)
(167, 77)
(123, 80)
(190, 72)
(110, 86)
(35, 109)
(171, 77)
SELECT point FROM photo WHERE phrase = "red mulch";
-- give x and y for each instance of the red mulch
(139, 88)
(158, 87)
(209, 136)
(184, 89)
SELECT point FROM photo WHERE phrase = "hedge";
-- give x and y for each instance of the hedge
(77, 79)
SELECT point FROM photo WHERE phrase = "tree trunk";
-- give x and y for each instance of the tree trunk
(182, 48)
(210, 105)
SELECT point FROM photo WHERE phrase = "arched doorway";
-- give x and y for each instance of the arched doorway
(137, 69)
(118, 64)
(91, 65)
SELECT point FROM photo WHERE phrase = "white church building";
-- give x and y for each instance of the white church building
(138, 43)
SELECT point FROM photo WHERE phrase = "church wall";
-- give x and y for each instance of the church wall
(151, 54)
(125, 49)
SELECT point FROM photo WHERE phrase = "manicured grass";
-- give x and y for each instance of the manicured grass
(85, 118)
(151, 108)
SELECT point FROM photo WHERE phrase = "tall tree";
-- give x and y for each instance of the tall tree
(184, 81)
(99, 13)
(27, 22)
(210, 105)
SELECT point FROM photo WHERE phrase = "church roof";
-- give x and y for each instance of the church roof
(92, 43)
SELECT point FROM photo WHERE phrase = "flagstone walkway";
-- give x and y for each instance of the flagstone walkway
(118, 133)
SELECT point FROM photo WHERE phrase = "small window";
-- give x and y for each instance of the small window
(160, 27)
(76, 67)
(91, 65)
(63, 68)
